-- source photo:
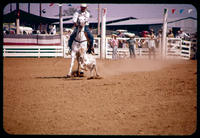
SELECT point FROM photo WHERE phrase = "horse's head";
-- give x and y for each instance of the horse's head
(81, 21)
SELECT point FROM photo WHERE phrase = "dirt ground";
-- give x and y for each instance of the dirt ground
(134, 97)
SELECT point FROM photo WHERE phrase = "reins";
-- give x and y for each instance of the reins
(80, 41)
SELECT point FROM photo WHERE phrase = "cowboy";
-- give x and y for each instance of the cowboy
(114, 43)
(131, 43)
(82, 12)
(182, 35)
(152, 46)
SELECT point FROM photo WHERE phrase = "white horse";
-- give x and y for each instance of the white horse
(79, 46)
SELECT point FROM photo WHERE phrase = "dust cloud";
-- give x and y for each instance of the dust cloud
(117, 67)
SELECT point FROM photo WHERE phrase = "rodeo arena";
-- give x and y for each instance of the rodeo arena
(114, 89)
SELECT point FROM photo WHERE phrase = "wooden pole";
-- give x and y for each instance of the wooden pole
(164, 33)
(40, 17)
(10, 12)
(61, 24)
(103, 34)
(17, 19)
(98, 20)
(29, 8)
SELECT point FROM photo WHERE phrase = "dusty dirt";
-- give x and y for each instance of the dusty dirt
(134, 97)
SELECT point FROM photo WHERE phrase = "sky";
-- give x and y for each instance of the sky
(114, 10)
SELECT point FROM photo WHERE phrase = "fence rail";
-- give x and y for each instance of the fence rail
(175, 47)
(32, 51)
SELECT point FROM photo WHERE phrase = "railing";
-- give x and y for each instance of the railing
(178, 47)
(32, 51)
(32, 46)
(175, 47)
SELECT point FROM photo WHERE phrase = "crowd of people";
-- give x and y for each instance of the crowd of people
(151, 43)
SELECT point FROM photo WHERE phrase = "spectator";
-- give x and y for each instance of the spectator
(182, 35)
(131, 43)
(159, 33)
(170, 34)
(151, 31)
(114, 44)
(124, 44)
(140, 43)
(159, 37)
(152, 46)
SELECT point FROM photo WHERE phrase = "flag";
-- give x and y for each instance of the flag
(190, 10)
(43, 11)
(173, 10)
(181, 11)
(51, 4)
(165, 15)
(165, 11)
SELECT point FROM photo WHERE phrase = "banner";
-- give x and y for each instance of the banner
(182, 10)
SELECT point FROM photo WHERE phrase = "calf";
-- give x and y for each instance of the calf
(88, 61)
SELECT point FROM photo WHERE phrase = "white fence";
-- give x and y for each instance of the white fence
(175, 47)
(32, 46)
(179, 48)
(32, 51)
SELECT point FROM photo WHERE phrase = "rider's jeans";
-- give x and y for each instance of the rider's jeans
(73, 35)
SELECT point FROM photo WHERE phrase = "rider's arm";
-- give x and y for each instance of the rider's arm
(87, 16)
(75, 18)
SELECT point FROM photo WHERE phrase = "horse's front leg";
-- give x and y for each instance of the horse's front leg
(73, 56)
(95, 68)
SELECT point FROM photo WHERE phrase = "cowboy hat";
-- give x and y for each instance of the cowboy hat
(114, 35)
(84, 5)
(129, 34)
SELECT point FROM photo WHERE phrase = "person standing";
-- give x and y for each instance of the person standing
(170, 34)
(182, 35)
(159, 37)
(131, 43)
(152, 46)
(114, 44)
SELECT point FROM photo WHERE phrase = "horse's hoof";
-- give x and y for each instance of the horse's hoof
(98, 77)
(90, 78)
(81, 74)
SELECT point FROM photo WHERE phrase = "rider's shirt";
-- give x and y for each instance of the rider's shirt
(85, 14)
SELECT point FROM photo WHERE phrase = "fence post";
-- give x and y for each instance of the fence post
(99, 47)
(103, 34)
(38, 52)
(164, 33)
(64, 47)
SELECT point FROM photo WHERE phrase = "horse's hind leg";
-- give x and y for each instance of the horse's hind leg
(95, 68)
(72, 64)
